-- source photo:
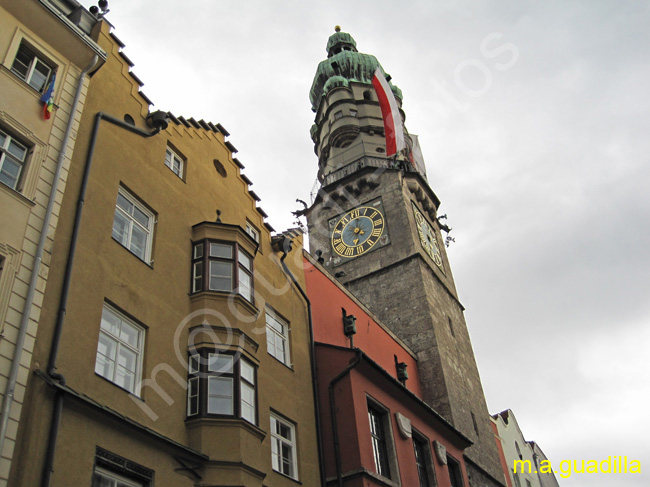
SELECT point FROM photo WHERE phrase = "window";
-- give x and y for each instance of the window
(104, 478)
(253, 232)
(174, 162)
(119, 350)
(277, 337)
(422, 460)
(32, 70)
(112, 470)
(133, 225)
(379, 442)
(227, 382)
(13, 155)
(455, 475)
(222, 266)
(354, 113)
(338, 115)
(283, 447)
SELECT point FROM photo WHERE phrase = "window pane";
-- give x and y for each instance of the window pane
(220, 276)
(247, 402)
(245, 260)
(141, 217)
(245, 285)
(105, 362)
(3, 138)
(218, 362)
(223, 251)
(220, 394)
(197, 277)
(198, 251)
(130, 334)
(10, 173)
(120, 227)
(138, 241)
(124, 203)
(17, 150)
(247, 371)
(39, 76)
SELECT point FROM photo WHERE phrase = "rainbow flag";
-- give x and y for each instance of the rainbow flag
(48, 99)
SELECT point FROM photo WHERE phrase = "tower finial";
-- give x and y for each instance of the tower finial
(337, 28)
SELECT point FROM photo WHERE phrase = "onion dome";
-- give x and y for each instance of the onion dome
(344, 64)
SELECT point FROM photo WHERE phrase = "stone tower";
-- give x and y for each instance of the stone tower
(374, 223)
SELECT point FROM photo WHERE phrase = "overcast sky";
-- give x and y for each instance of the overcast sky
(533, 121)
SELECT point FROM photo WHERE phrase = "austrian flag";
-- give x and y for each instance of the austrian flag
(390, 113)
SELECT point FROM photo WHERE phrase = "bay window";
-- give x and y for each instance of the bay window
(221, 384)
(222, 266)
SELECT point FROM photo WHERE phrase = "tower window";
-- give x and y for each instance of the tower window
(338, 115)
(354, 113)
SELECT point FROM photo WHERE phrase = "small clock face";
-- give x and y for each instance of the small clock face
(427, 237)
(357, 231)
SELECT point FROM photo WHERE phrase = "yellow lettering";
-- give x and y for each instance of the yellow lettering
(349, 251)
(634, 466)
(592, 466)
(377, 222)
(340, 248)
(523, 464)
(376, 232)
(565, 471)
(354, 214)
(607, 462)
(545, 466)
(336, 241)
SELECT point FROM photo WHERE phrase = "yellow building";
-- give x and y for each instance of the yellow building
(42, 45)
(174, 344)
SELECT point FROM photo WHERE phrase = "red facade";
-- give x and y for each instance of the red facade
(374, 426)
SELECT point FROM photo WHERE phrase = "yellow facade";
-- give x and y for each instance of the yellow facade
(150, 255)
(36, 42)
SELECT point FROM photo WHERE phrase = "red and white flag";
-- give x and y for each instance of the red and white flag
(390, 113)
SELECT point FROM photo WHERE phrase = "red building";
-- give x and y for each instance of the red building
(376, 430)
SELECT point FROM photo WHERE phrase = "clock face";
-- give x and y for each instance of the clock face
(358, 230)
(427, 237)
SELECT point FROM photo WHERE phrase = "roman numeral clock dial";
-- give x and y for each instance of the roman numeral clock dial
(358, 231)
(427, 237)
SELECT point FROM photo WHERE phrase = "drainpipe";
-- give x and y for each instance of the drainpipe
(38, 258)
(159, 121)
(286, 248)
(335, 428)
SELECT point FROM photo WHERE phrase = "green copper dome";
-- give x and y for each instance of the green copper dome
(340, 39)
(344, 64)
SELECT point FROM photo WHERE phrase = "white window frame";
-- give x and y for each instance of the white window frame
(120, 344)
(131, 222)
(174, 162)
(253, 232)
(115, 478)
(7, 157)
(31, 68)
(277, 337)
(278, 441)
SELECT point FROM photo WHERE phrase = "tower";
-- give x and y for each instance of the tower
(374, 223)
